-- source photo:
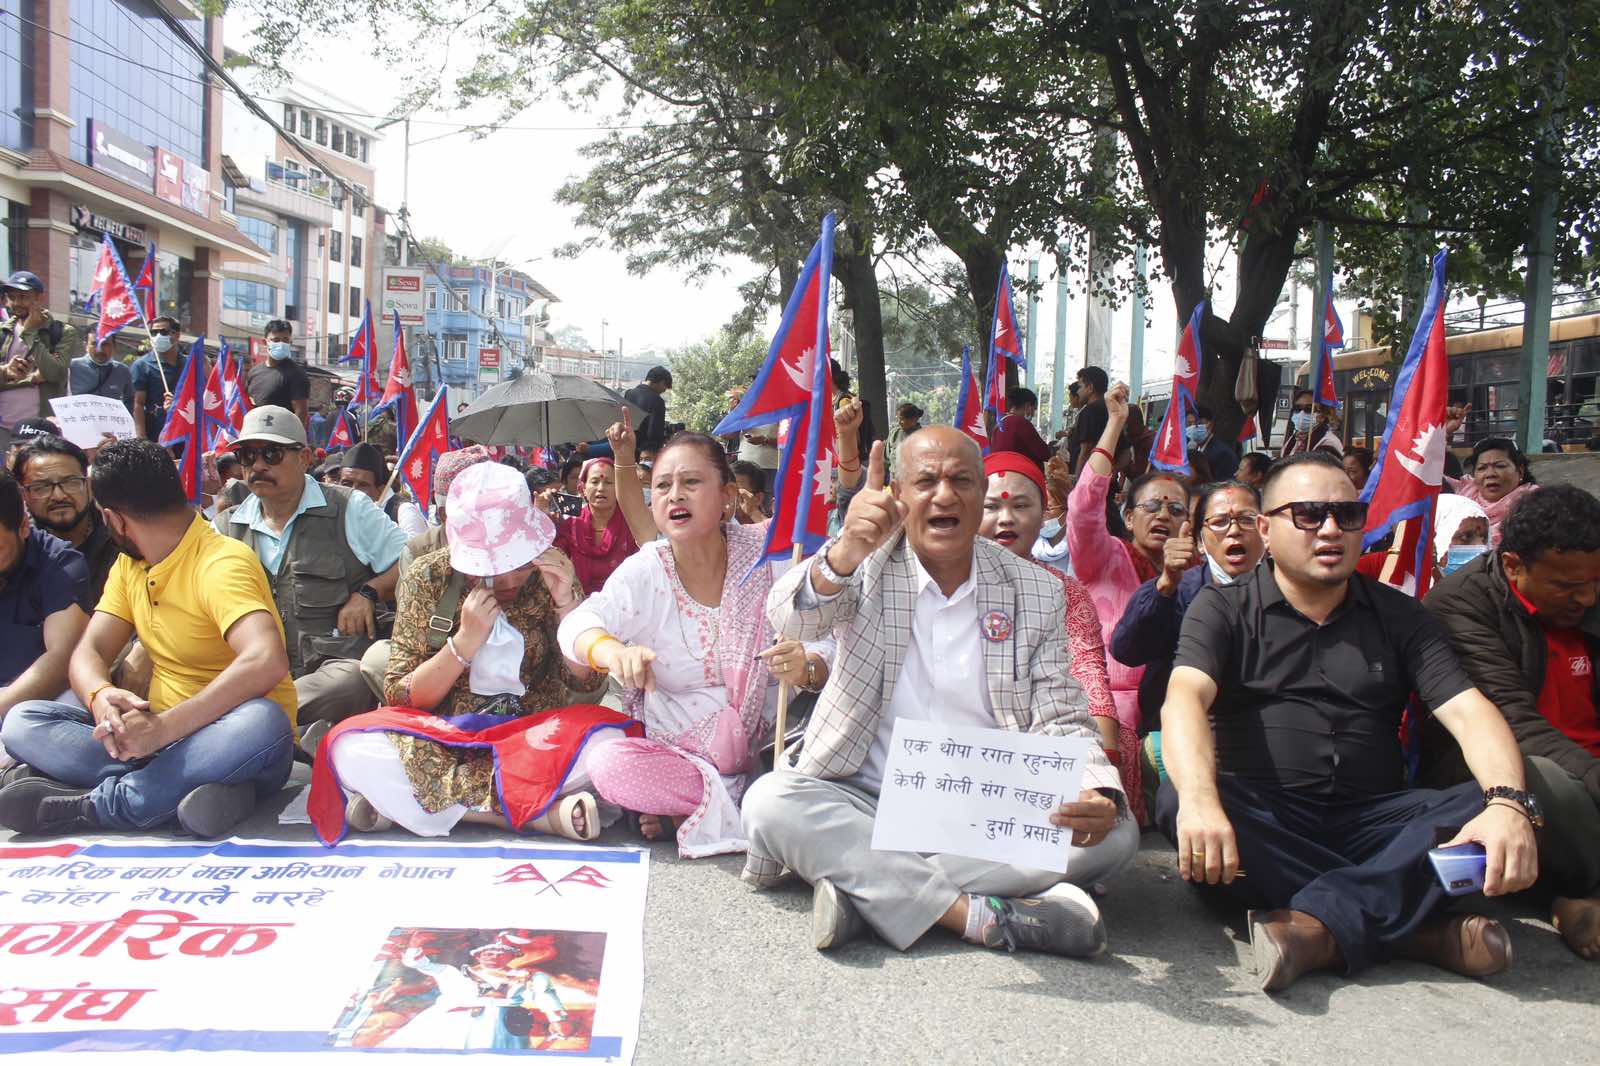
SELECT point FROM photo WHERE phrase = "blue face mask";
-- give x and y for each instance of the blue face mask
(1459, 555)
(161, 342)
(280, 350)
(1196, 435)
(1301, 421)
(1051, 529)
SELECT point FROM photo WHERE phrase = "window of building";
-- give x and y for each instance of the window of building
(359, 203)
(433, 299)
(294, 241)
(350, 148)
(333, 297)
(262, 232)
(338, 138)
(355, 301)
(500, 307)
(335, 246)
(16, 84)
(258, 297)
(128, 70)
(174, 283)
(364, 146)
(355, 250)
(455, 346)
(230, 196)
(288, 116)
(322, 130)
(305, 124)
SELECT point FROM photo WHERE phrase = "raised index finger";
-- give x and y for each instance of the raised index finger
(875, 471)
(627, 417)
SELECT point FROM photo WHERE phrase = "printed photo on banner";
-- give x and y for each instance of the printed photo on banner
(476, 989)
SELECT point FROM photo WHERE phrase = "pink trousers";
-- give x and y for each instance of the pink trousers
(643, 775)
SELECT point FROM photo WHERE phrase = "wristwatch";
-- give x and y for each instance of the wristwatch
(1525, 800)
(368, 593)
(832, 576)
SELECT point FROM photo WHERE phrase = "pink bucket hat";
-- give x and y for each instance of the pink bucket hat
(491, 523)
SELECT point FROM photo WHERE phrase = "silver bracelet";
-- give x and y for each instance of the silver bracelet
(829, 574)
(450, 646)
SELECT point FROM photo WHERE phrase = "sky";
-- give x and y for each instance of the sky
(496, 195)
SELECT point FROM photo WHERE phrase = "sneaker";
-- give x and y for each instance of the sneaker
(19, 772)
(834, 919)
(312, 736)
(40, 805)
(213, 810)
(1062, 921)
(363, 817)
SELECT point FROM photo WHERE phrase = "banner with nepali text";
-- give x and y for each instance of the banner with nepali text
(296, 948)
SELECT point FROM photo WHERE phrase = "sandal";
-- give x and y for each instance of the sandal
(557, 820)
(363, 817)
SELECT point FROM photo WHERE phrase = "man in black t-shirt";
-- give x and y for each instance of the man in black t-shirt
(652, 432)
(1281, 736)
(1092, 417)
(280, 381)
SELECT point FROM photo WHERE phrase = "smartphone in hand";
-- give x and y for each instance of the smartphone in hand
(1460, 869)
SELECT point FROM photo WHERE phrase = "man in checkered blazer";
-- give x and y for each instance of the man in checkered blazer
(938, 625)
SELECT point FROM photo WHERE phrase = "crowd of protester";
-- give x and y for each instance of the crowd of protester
(597, 637)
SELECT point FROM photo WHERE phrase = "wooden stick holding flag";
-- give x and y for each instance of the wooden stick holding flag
(795, 383)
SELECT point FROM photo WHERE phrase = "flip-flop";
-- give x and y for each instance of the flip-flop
(557, 821)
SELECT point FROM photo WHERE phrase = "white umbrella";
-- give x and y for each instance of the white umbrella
(541, 409)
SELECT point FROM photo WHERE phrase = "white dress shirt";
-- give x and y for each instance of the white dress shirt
(942, 678)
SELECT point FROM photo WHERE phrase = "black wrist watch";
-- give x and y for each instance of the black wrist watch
(1525, 800)
(368, 593)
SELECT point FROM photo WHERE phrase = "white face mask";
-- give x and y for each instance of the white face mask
(1051, 529)
(497, 668)
(161, 342)
(1301, 420)
(1054, 554)
(280, 350)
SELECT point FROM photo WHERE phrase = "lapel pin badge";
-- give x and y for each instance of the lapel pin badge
(996, 626)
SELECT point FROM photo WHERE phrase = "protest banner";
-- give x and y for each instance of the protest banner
(85, 420)
(293, 948)
(982, 793)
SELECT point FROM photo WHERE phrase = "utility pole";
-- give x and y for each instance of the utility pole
(1032, 341)
(1058, 387)
(1141, 307)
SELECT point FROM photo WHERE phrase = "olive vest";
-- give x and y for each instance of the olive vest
(317, 573)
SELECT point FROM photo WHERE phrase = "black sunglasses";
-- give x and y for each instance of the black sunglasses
(1309, 515)
(272, 453)
(161, 331)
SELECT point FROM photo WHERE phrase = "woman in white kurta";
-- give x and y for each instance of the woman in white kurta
(682, 625)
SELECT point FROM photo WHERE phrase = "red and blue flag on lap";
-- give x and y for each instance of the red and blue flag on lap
(421, 453)
(796, 383)
(1005, 342)
(1322, 358)
(1171, 449)
(969, 404)
(186, 421)
(1404, 486)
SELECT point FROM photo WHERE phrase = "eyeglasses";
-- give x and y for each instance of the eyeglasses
(1174, 509)
(272, 453)
(41, 490)
(1219, 523)
(1309, 515)
(162, 332)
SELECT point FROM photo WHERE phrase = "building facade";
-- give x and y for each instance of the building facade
(482, 326)
(111, 125)
(323, 242)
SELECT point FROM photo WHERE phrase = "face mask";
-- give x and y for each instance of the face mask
(280, 350)
(1459, 555)
(1196, 435)
(1301, 420)
(1219, 576)
(497, 668)
(1051, 529)
(1054, 554)
(161, 343)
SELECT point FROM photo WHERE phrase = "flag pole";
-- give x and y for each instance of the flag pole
(781, 723)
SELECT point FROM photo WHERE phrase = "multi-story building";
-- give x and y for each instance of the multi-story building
(611, 368)
(323, 238)
(483, 325)
(110, 124)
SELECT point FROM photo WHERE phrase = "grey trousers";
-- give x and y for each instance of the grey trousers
(823, 829)
(333, 692)
(1569, 844)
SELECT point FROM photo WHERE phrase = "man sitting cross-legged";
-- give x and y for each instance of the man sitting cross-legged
(934, 624)
(1298, 780)
(215, 732)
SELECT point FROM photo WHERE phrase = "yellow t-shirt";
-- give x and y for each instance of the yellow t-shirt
(182, 606)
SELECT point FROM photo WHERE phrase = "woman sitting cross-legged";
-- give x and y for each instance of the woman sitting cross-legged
(682, 624)
(487, 722)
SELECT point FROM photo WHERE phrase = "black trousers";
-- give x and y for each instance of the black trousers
(1359, 866)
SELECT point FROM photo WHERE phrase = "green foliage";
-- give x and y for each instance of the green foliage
(704, 372)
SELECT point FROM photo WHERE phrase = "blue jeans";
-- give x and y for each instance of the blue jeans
(253, 742)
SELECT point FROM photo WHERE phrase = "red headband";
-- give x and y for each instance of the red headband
(1015, 463)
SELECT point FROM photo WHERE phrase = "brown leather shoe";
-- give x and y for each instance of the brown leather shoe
(1288, 945)
(1468, 944)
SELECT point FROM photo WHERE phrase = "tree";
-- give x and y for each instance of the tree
(704, 372)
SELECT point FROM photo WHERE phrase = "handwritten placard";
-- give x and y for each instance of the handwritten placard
(982, 793)
(85, 420)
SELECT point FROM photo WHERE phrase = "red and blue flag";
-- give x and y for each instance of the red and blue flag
(1005, 342)
(1322, 358)
(1404, 486)
(398, 394)
(364, 347)
(345, 432)
(796, 383)
(1171, 449)
(969, 404)
(118, 305)
(421, 453)
(144, 286)
(186, 421)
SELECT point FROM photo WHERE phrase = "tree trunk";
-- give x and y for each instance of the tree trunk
(857, 275)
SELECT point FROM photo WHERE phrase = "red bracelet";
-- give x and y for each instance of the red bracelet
(850, 469)
(1112, 459)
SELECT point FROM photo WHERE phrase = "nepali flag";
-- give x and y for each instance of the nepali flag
(1322, 356)
(1005, 342)
(364, 346)
(104, 267)
(796, 383)
(118, 307)
(215, 404)
(1404, 485)
(236, 401)
(345, 433)
(969, 409)
(144, 286)
(421, 453)
(1171, 449)
(398, 394)
(186, 421)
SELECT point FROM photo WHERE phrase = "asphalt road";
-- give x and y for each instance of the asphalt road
(731, 978)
